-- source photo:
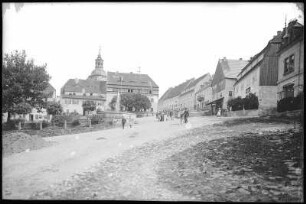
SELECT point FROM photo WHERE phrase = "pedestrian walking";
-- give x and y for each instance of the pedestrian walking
(123, 121)
(171, 115)
(181, 114)
(186, 115)
(219, 112)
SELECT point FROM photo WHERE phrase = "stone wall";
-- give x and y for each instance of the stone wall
(267, 100)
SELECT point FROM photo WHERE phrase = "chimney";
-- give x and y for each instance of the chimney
(76, 80)
(240, 58)
(279, 32)
(224, 58)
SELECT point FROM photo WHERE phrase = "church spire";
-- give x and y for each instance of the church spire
(99, 60)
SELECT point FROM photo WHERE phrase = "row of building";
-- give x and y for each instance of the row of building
(100, 87)
(274, 73)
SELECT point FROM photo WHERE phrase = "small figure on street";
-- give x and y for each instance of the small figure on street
(123, 121)
(181, 114)
(171, 115)
(219, 112)
(186, 115)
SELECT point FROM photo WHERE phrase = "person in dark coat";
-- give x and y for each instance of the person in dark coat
(123, 121)
(186, 115)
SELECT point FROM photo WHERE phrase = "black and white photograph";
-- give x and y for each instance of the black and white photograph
(153, 101)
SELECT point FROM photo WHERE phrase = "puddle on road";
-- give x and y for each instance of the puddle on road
(101, 138)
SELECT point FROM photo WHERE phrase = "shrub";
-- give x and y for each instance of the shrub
(236, 103)
(250, 102)
(13, 124)
(290, 103)
(59, 120)
(75, 123)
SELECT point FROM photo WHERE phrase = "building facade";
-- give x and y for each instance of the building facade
(132, 83)
(100, 87)
(259, 77)
(188, 96)
(204, 97)
(291, 62)
(172, 99)
(223, 82)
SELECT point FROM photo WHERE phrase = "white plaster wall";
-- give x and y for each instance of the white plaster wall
(250, 80)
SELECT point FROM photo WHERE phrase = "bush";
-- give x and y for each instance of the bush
(236, 103)
(249, 102)
(59, 120)
(290, 103)
(13, 124)
(75, 123)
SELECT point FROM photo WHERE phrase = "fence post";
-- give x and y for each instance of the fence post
(19, 125)
(89, 122)
(40, 125)
(65, 125)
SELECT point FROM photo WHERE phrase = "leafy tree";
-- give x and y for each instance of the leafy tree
(131, 101)
(23, 83)
(23, 108)
(88, 106)
(54, 108)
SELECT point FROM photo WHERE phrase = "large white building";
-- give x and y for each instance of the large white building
(101, 86)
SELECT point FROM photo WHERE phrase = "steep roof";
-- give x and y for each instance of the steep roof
(165, 95)
(231, 68)
(49, 90)
(179, 88)
(193, 83)
(205, 86)
(130, 79)
(90, 86)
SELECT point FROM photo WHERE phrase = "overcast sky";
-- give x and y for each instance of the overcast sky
(171, 42)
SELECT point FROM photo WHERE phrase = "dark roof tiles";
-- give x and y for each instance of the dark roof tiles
(90, 86)
(130, 79)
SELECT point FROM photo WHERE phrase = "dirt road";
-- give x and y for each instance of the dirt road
(28, 172)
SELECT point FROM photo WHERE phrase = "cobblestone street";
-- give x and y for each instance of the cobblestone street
(210, 163)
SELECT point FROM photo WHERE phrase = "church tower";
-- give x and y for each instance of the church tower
(98, 73)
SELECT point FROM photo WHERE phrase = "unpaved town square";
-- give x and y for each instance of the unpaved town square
(209, 159)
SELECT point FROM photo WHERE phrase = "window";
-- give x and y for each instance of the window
(230, 93)
(288, 90)
(248, 90)
(91, 94)
(84, 94)
(73, 93)
(289, 65)
(75, 101)
(150, 92)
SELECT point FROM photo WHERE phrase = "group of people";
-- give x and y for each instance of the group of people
(164, 115)
(183, 114)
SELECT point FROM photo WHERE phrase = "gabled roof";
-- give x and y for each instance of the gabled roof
(275, 40)
(130, 79)
(90, 86)
(206, 85)
(231, 68)
(194, 83)
(178, 89)
(165, 94)
(49, 90)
